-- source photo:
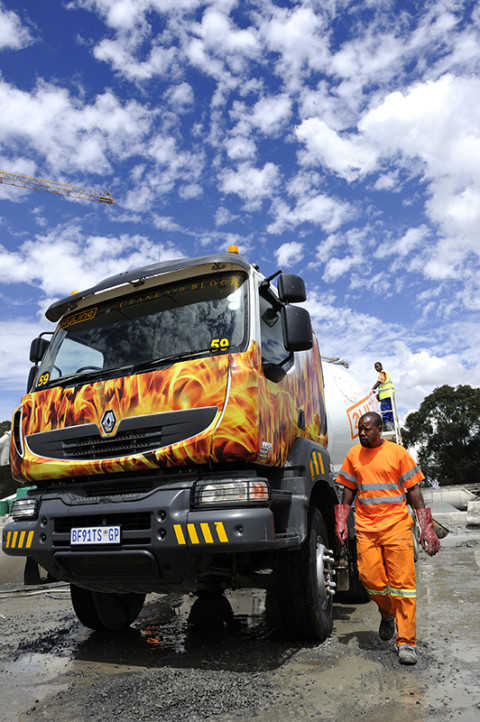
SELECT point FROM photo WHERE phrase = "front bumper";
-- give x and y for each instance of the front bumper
(164, 545)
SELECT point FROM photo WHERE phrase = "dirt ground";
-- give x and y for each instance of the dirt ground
(52, 668)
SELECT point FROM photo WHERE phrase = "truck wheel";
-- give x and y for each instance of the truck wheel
(105, 611)
(304, 581)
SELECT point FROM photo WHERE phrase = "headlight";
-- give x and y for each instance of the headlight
(232, 493)
(24, 509)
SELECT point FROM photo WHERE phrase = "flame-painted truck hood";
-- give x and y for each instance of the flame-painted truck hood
(213, 410)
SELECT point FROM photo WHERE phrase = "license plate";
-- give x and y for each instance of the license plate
(95, 535)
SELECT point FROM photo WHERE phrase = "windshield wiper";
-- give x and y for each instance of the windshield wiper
(87, 374)
(167, 360)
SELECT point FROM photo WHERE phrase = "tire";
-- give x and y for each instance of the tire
(211, 612)
(105, 612)
(303, 578)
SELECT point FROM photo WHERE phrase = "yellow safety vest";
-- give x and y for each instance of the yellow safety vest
(387, 388)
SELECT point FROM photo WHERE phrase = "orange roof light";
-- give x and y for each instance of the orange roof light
(233, 249)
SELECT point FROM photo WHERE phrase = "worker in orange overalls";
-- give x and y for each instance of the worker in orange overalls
(381, 475)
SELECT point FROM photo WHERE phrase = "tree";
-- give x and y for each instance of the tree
(445, 433)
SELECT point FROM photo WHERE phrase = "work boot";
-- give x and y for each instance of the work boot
(407, 655)
(387, 628)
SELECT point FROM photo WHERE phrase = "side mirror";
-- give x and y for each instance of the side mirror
(291, 288)
(37, 349)
(297, 328)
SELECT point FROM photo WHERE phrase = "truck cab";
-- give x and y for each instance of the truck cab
(174, 435)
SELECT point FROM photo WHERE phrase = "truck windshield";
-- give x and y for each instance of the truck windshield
(164, 324)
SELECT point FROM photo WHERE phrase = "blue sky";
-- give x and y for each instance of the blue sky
(332, 138)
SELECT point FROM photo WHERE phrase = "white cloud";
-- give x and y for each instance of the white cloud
(71, 137)
(414, 239)
(223, 216)
(299, 36)
(240, 148)
(289, 253)
(318, 210)
(271, 113)
(13, 35)
(14, 360)
(63, 259)
(181, 97)
(349, 157)
(252, 185)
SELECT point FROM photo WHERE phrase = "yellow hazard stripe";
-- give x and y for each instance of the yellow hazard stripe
(19, 539)
(192, 533)
(222, 534)
(316, 465)
(207, 533)
(179, 534)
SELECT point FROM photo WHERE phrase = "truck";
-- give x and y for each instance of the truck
(174, 438)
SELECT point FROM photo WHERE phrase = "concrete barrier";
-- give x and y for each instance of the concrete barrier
(473, 513)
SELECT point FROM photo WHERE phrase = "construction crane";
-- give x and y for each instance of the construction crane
(63, 189)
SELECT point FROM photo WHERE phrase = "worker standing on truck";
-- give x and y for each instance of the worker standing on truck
(386, 390)
(381, 475)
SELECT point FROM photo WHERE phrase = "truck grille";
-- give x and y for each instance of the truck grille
(137, 522)
(136, 435)
(121, 445)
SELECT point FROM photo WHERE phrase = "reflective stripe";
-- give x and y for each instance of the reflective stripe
(382, 499)
(378, 487)
(386, 389)
(405, 593)
(380, 592)
(222, 534)
(179, 534)
(348, 477)
(408, 474)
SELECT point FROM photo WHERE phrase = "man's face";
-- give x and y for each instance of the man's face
(369, 433)
(378, 367)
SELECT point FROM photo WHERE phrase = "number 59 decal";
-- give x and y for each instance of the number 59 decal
(43, 380)
(220, 343)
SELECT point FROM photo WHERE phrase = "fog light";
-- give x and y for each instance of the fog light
(24, 509)
(238, 492)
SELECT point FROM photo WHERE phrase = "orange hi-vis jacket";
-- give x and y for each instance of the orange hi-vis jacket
(380, 477)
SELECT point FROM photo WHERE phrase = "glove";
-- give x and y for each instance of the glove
(341, 515)
(428, 539)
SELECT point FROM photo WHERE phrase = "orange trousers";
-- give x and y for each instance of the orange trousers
(386, 568)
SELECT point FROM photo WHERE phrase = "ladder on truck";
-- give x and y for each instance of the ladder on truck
(392, 434)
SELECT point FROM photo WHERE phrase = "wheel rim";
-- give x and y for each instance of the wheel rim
(325, 584)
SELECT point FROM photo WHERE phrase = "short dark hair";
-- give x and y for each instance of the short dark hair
(377, 419)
